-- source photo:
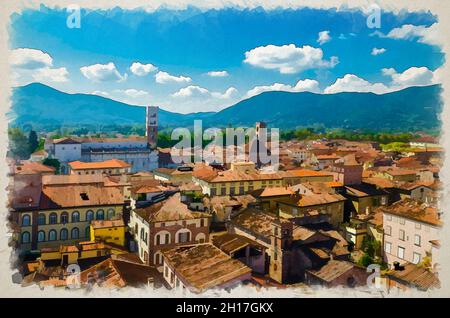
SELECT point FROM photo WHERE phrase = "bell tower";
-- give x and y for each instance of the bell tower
(151, 124)
(281, 240)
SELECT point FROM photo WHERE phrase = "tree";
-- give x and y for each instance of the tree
(18, 144)
(33, 141)
(52, 163)
(365, 260)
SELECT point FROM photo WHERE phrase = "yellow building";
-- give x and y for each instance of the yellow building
(70, 254)
(108, 231)
(240, 179)
(297, 176)
(299, 206)
(63, 209)
(397, 174)
(364, 198)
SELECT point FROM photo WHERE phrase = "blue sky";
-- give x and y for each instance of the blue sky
(204, 60)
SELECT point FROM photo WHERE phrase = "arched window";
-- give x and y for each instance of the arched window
(25, 237)
(41, 219)
(41, 236)
(75, 216)
(64, 217)
(162, 237)
(200, 238)
(26, 220)
(183, 236)
(53, 218)
(111, 214)
(158, 258)
(100, 215)
(89, 215)
(87, 232)
(63, 235)
(75, 233)
(52, 235)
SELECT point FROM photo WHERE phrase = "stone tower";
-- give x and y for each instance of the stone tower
(281, 240)
(151, 124)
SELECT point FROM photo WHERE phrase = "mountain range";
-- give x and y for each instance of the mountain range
(410, 109)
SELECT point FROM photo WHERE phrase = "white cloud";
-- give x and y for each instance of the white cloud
(218, 73)
(414, 76)
(376, 51)
(100, 93)
(324, 37)
(231, 92)
(30, 58)
(47, 74)
(134, 93)
(191, 91)
(194, 91)
(140, 69)
(423, 34)
(164, 77)
(306, 85)
(353, 83)
(103, 73)
(288, 59)
(35, 65)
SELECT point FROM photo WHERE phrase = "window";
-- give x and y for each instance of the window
(63, 234)
(64, 217)
(416, 258)
(167, 239)
(41, 219)
(417, 239)
(388, 230)
(89, 215)
(52, 235)
(25, 238)
(75, 233)
(401, 235)
(184, 237)
(401, 221)
(389, 217)
(26, 220)
(111, 214)
(53, 218)
(388, 247)
(401, 252)
(158, 259)
(100, 215)
(142, 234)
(87, 232)
(75, 216)
(41, 236)
(418, 226)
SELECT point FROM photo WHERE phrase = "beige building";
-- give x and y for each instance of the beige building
(166, 224)
(409, 228)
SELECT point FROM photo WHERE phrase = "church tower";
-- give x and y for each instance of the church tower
(151, 124)
(281, 240)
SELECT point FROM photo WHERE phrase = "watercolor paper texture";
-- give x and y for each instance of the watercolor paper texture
(207, 148)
